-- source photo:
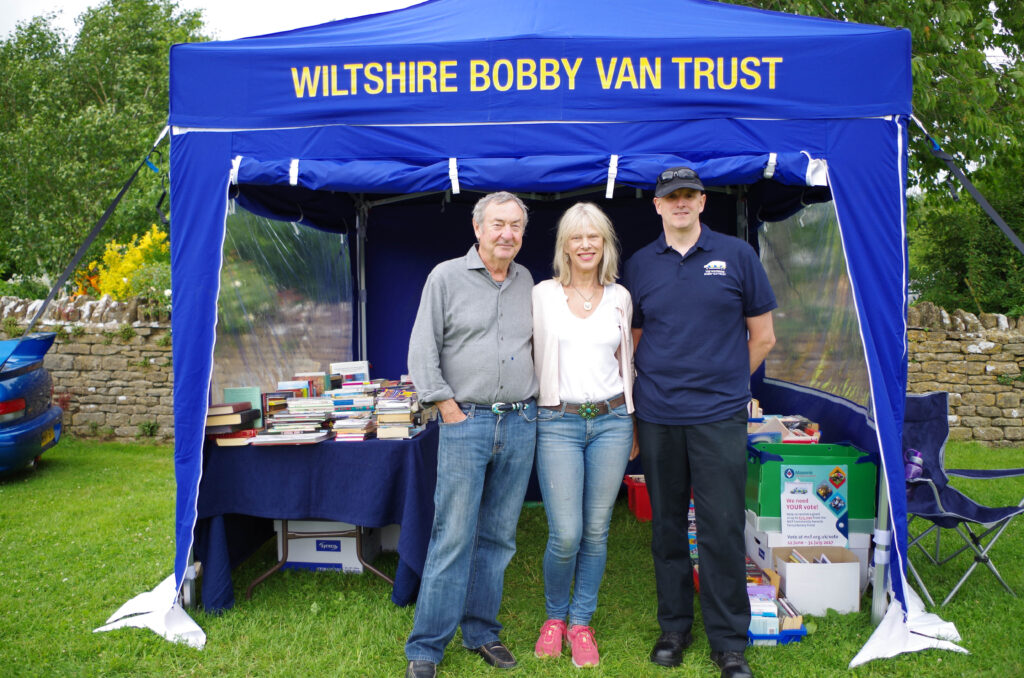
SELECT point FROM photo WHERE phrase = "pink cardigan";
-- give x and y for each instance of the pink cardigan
(548, 297)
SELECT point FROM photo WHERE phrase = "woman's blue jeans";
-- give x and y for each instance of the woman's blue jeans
(483, 468)
(580, 465)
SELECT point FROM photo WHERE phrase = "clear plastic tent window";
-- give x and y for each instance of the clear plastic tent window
(818, 341)
(285, 303)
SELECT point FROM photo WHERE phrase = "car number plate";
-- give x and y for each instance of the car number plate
(47, 437)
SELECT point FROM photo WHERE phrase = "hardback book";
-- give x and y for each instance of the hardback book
(394, 431)
(250, 394)
(243, 417)
(236, 439)
(290, 438)
(303, 387)
(226, 428)
(352, 370)
(394, 417)
(322, 379)
(226, 408)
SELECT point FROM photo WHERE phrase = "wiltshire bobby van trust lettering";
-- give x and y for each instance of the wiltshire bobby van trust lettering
(546, 74)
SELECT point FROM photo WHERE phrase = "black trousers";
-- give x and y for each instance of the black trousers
(712, 460)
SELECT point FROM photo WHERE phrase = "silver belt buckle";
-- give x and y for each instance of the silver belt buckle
(496, 408)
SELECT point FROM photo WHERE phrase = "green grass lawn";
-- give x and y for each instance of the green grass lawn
(93, 527)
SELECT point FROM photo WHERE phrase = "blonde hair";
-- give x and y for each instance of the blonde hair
(574, 220)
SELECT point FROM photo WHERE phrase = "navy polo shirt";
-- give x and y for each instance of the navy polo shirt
(692, 362)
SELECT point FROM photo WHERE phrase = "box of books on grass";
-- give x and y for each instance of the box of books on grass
(816, 579)
(773, 619)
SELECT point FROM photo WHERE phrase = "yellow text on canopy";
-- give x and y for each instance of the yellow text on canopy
(545, 74)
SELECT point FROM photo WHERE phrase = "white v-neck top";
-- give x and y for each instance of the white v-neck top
(582, 359)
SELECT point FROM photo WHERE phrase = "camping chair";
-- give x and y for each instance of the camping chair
(931, 498)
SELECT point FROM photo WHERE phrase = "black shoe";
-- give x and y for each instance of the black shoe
(496, 654)
(668, 651)
(733, 664)
(421, 668)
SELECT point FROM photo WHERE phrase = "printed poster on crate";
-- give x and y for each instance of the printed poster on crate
(814, 505)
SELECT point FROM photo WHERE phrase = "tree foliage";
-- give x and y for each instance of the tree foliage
(960, 259)
(76, 117)
(968, 100)
(968, 81)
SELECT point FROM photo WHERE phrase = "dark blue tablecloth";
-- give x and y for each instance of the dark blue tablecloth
(373, 483)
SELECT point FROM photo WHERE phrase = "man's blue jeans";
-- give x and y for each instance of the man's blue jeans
(580, 465)
(483, 467)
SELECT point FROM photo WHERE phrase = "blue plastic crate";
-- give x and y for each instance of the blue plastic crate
(782, 638)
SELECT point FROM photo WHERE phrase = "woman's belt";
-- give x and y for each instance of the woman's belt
(589, 410)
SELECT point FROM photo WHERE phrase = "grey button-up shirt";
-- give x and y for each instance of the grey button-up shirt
(472, 337)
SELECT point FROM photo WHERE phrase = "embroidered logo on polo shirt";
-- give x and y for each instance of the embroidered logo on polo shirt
(714, 268)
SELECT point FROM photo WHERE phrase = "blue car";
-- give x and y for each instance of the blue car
(30, 423)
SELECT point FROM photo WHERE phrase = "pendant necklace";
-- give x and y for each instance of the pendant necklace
(586, 302)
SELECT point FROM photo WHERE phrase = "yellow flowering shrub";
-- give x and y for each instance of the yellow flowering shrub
(121, 261)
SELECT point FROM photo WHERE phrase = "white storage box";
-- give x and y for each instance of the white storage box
(389, 538)
(326, 553)
(761, 542)
(812, 587)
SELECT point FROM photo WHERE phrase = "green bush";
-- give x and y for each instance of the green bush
(23, 289)
(152, 283)
(960, 259)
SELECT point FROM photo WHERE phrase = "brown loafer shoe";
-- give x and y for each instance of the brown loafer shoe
(496, 654)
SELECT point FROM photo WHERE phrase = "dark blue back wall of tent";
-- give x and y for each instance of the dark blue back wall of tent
(406, 240)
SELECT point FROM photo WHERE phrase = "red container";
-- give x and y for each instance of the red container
(639, 500)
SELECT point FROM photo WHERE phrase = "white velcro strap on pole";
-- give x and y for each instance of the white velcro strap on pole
(817, 171)
(235, 163)
(453, 175)
(613, 171)
(883, 537)
(773, 161)
(293, 172)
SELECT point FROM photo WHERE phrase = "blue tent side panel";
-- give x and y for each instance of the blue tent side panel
(199, 168)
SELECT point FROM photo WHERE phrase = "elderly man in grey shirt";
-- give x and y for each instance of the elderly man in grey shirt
(470, 353)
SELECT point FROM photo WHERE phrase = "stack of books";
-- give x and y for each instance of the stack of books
(353, 410)
(395, 408)
(231, 424)
(303, 420)
(353, 429)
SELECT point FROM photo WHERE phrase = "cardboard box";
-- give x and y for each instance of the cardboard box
(327, 553)
(764, 481)
(760, 544)
(813, 588)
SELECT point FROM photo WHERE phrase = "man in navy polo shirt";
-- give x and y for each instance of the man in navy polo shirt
(702, 324)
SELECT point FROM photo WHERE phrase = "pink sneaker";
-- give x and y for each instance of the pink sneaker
(584, 647)
(550, 642)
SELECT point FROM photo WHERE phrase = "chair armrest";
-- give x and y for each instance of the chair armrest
(932, 486)
(985, 474)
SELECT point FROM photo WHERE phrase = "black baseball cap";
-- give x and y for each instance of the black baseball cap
(675, 178)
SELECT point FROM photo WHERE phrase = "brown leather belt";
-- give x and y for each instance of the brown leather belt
(589, 410)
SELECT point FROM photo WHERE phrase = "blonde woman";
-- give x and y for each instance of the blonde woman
(583, 354)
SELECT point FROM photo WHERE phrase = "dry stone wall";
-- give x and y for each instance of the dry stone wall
(111, 365)
(112, 370)
(979, 361)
